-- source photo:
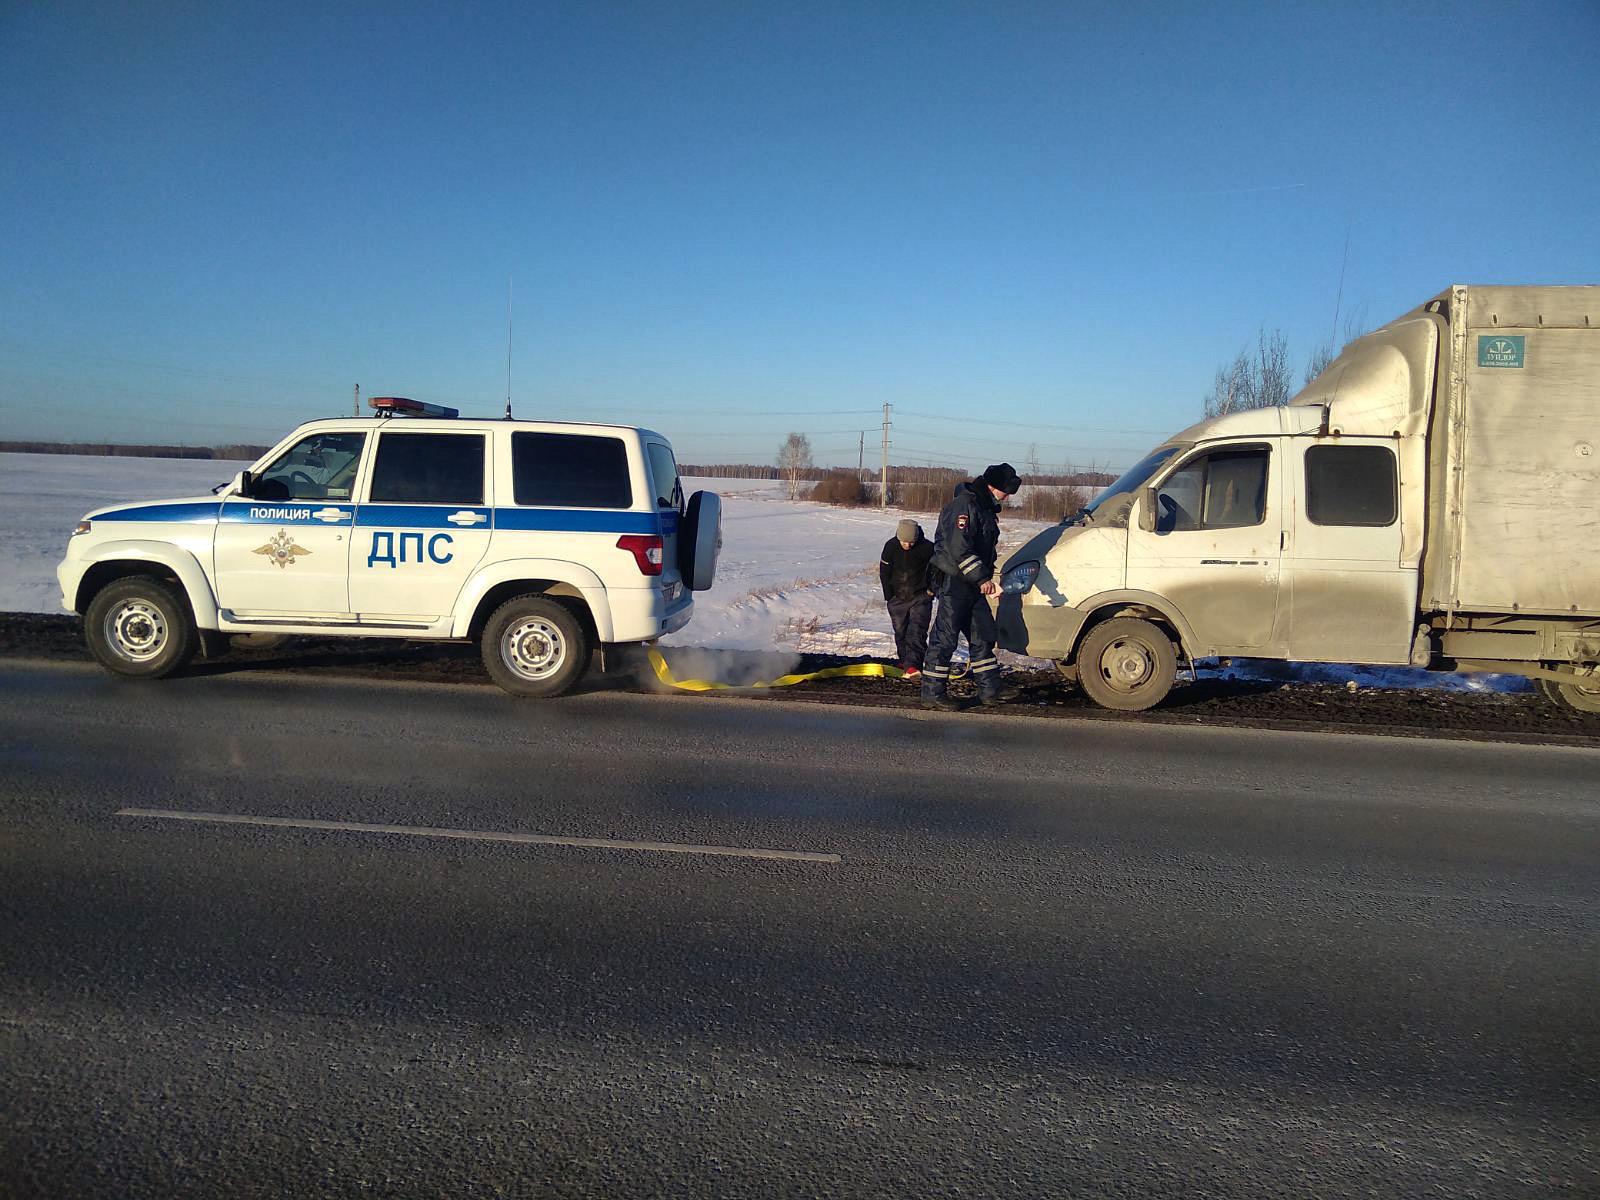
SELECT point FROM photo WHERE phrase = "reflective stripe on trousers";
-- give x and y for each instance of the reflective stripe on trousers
(963, 612)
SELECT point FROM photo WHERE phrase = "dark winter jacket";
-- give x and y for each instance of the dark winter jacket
(905, 574)
(968, 541)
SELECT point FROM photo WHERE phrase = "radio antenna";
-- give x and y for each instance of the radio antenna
(1333, 334)
(508, 347)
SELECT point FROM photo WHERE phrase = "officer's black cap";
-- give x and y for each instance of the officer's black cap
(1003, 477)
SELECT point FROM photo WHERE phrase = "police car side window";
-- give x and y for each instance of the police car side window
(319, 467)
(664, 477)
(568, 470)
(428, 468)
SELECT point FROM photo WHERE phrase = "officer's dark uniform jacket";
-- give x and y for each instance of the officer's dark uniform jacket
(968, 539)
(967, 546)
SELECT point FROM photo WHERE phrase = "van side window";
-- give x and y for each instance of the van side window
(319, 467)
(570, 470)
(1226, 489)
(1351, 485)
(428, 468)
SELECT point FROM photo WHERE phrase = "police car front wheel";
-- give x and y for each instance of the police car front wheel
(140, 627)
(534, 646)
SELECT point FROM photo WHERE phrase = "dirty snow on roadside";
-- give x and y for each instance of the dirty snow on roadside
(795, 577)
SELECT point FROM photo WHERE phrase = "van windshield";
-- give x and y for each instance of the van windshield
(1135, 476)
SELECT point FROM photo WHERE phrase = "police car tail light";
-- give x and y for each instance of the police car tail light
(647, 549)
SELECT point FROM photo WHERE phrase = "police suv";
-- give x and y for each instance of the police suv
(541, 539)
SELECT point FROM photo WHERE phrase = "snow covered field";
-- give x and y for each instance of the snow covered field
(794, 577)
(801, 576)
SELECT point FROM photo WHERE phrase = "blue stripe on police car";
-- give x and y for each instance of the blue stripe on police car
(421, 516)
(193, 513)
(580, 520)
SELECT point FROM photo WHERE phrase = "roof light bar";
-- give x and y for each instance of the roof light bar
(399, 406)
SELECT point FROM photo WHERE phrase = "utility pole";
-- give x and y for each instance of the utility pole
(883, 498)
(861, 454)
(358, 401)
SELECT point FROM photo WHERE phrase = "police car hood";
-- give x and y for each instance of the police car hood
(177, 508)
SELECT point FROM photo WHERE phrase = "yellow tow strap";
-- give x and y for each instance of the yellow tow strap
(856, 670)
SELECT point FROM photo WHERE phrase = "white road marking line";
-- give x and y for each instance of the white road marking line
(475, 835)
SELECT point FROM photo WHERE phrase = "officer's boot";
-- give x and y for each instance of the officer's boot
(936, 689)
(992, 686)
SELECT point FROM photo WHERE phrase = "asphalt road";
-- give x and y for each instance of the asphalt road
(1006, 958)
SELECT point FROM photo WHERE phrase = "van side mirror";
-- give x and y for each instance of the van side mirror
(1148, 507)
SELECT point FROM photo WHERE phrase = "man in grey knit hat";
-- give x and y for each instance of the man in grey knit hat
(908, 587)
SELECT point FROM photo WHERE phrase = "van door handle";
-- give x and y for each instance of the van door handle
(464, 517)
(330, 515)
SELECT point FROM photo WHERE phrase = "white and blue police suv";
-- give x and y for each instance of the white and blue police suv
(540, 539)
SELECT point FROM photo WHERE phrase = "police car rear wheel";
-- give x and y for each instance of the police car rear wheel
(1127, 664)
(139, 627)
(533, 646)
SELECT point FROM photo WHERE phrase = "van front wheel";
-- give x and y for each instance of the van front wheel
(1127, 664)
(535, 646)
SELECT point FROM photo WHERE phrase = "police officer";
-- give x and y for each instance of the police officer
(965, 550)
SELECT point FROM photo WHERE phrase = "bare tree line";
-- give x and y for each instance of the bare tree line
(235, 453)
(932, 488)
(1263, 378)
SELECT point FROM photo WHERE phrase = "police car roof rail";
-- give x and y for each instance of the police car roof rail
(399, 406)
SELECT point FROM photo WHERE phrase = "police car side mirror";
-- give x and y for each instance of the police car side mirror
(1147, 511)
(241, 484)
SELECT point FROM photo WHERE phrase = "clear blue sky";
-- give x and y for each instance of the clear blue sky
(1022, 223)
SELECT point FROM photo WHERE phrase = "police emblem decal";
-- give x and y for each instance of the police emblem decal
(961, 521)
(281, 551)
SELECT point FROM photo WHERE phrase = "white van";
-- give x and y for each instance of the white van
(541, 539)
(1431, 499)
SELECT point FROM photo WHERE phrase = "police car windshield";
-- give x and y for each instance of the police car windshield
(1134, 476)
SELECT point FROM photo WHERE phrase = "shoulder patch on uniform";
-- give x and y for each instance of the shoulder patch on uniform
(961, 521)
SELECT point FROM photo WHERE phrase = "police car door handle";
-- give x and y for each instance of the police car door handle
(464, 517)
(330, 515)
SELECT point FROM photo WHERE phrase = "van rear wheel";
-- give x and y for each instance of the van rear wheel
(1575, 697)
(1127, 664)
(535, 646)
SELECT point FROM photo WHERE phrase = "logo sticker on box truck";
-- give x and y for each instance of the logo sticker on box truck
(1501, 349)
